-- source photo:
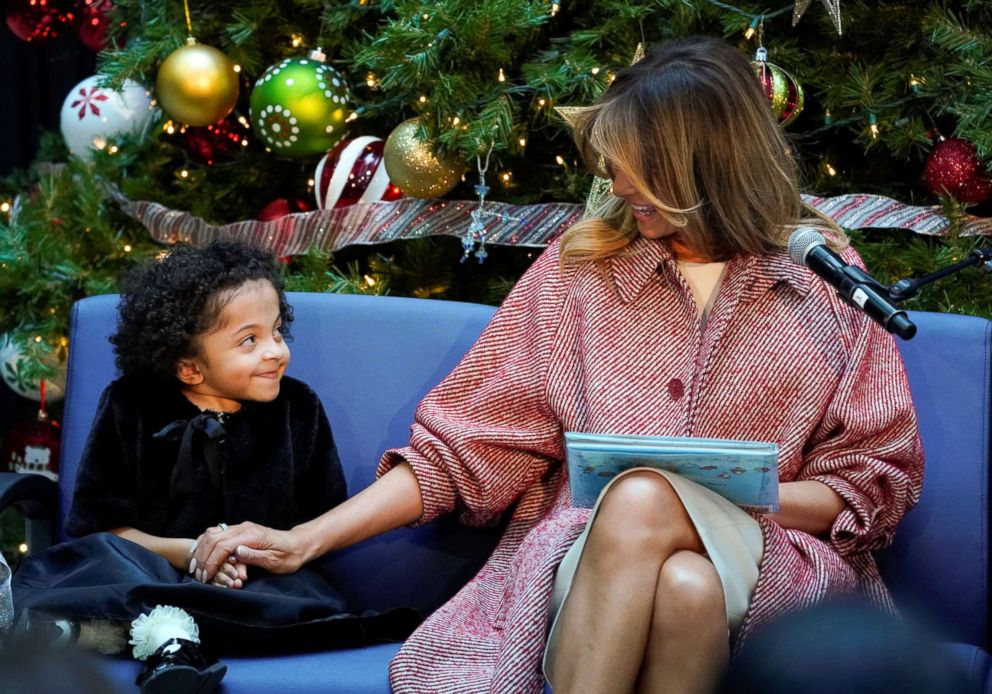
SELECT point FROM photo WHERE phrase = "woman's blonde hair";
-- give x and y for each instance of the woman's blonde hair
(692, 130)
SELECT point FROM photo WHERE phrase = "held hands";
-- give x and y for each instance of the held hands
(230, 574)
(218, 550)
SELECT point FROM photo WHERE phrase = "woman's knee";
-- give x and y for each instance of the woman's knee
(689, 589)
(639, 498)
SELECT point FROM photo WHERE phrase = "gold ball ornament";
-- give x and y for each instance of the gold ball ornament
(197, 84)
(415, 167)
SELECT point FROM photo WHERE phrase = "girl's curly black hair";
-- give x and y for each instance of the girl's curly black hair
(166, 304)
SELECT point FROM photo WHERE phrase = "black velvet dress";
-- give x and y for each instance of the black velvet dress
(155, 462)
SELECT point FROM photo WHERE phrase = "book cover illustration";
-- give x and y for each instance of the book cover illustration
(743, 472)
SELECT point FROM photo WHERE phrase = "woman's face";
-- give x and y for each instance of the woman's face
(650, 223)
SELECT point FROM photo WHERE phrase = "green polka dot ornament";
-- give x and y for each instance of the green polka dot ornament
(300, 106)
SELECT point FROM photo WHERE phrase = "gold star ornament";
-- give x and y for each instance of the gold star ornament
(833, 9)
(601, 188)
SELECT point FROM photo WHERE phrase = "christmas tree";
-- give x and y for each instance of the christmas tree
(228, 109)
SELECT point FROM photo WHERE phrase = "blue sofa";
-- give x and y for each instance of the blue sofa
(371, 359)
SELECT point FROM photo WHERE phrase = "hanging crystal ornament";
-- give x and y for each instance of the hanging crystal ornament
(476, 233)
(477, 227)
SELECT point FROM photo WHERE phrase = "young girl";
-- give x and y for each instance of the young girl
(202, 429)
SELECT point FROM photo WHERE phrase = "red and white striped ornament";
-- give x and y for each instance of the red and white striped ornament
(351, 172)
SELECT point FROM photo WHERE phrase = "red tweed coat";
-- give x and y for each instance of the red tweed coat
(616, 347)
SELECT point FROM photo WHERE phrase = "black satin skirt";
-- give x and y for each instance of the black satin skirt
(102, 576)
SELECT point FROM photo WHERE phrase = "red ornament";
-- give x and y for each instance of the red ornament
(36, 20)
(210, 143)
(280, 207)
(94, 23)
(33, 447)
(953, 169)
(278, 211)
(351, 172)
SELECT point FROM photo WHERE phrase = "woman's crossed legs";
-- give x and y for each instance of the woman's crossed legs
(645, 611)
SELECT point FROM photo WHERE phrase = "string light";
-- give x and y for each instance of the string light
(827, 118)
(541, 102)
(37, 338)
(184, 174)
(829, 168)
(237, 68)
(370, 80)
(873, 124)
(595, 71)
(297, 40)
(554, 8)
(5, 207)
(113, 149)
(170, 127)
(560, 160)
(23, 548)
(753, 29)
(522, 141)
(502, 77)
(506, 176)
(370, 280)
(127, 248)
(310, 183)
(456, 120)
(423, 99)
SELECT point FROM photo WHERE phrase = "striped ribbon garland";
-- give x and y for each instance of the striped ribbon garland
(511, 225)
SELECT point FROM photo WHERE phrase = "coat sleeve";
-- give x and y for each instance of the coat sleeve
(486, 432)
(321, 484)
(105, 495)
(867, 447)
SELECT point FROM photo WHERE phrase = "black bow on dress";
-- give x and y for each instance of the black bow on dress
(207, 424)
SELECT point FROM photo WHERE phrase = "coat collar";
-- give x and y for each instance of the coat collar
(645, 258)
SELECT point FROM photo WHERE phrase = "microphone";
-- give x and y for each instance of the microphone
(856, 287)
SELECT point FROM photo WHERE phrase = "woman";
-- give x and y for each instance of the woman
(673, 311)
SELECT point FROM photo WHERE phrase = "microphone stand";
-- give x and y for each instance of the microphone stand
(905, 288)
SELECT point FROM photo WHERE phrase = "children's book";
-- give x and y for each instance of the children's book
(743, 472)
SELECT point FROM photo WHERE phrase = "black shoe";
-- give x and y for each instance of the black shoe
(180, 667)
(45, 631)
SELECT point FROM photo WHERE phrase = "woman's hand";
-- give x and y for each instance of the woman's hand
(390, 502)
(807, 505)
(278, 551)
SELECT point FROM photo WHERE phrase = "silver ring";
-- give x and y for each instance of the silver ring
(222, 526)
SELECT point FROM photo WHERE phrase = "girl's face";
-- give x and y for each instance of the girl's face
(650, 223)
(243, 357)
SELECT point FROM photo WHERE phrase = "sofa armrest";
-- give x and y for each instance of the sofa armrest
(36, 498)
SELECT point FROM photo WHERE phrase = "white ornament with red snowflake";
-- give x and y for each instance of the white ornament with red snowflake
(93, 114)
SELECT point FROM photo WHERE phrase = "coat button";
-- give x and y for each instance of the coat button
(676, 388)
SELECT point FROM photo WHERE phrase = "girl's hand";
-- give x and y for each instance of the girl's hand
(231, 574)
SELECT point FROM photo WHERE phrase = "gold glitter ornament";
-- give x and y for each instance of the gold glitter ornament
(415, 167)
(197, 84)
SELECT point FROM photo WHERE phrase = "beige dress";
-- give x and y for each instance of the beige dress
(732, 538)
